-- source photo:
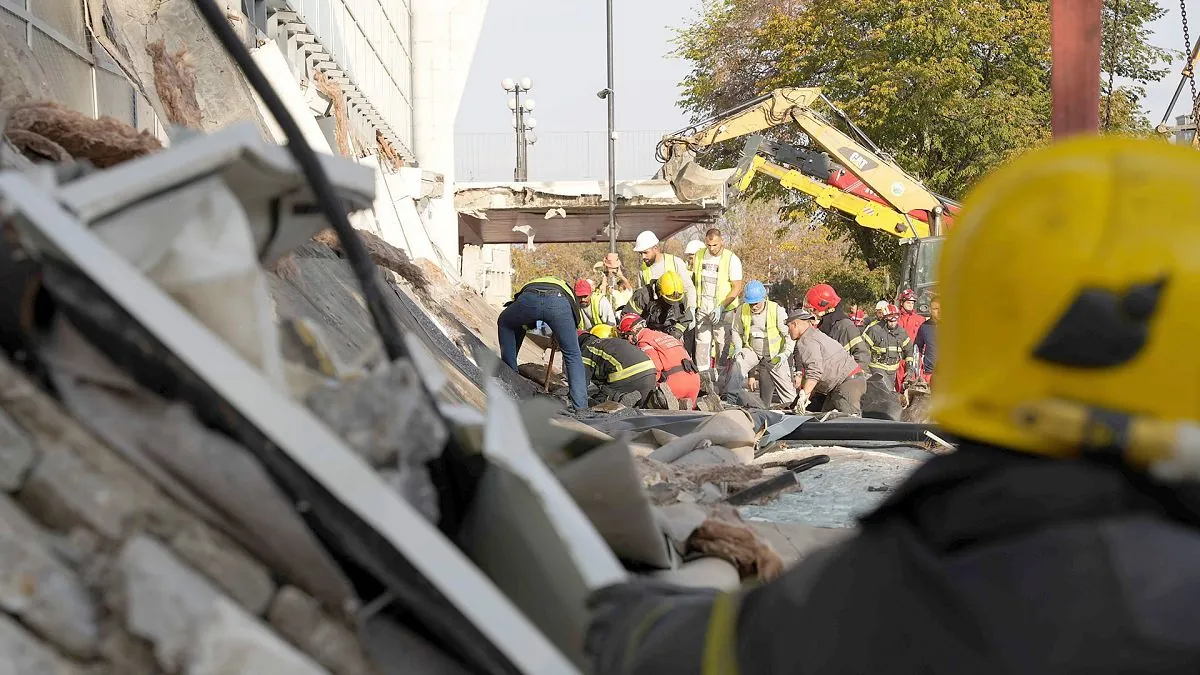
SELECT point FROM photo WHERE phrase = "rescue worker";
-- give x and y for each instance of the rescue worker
(693, 247)
(616, 367)
(910, 320)
(551, 301)
(717, 273)
(859, 318)
(760, 349)
(1063, 534)
(926, 342)
(890, 347)
(656, 263)
(673, 363)
(823, 301)
(661, 304)
(826, 376)
(596, 310)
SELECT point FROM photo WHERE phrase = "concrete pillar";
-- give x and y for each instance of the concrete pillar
(445, 33)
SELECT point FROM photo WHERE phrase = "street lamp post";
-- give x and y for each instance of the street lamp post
(612, 137)
(522, 122)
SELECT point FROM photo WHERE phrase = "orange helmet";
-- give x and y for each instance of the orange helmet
(821, 297)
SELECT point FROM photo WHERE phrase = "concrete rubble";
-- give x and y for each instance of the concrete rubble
(138, 536)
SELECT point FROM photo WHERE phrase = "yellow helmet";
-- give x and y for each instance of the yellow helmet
(603, 330)
(670, 286)
(1068, 288)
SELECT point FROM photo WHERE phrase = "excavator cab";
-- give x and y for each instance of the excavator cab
(919, 269)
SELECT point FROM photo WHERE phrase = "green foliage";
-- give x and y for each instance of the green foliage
(950, 88)
(567, 261)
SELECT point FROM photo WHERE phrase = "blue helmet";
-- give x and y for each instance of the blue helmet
(755, 292)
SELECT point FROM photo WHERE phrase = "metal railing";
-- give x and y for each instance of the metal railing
(577, 155)
(79, 73)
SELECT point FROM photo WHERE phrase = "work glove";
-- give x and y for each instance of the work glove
(689, 367)
(800, 405)
(619, 618)
(775, 360)
(752, 383)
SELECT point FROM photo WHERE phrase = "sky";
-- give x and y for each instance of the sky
(560, 45)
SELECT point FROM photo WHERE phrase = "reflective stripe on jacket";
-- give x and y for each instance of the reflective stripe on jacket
(724, 286)
(612, 360)
(889, 346)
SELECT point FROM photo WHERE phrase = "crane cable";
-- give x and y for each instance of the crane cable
(1112, 61)
(1187, 49)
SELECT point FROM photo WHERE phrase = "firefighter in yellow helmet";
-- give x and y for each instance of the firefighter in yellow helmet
(1063, 536)
(661, 304)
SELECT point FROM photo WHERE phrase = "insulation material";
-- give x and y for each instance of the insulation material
(175, 80)
(195, 244)
(50, 130)
(341, 125)
(384, 254)
(739, 544)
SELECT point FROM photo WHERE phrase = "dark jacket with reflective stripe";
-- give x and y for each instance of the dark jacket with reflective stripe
(839, 327)
(889, 346)
(610, 360)
(671, 318)
(986, 562)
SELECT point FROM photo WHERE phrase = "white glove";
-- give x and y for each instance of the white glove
(801, 404)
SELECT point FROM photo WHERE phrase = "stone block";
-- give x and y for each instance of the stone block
(226, 565)
(62, 491)
(299, 618)
(163, 599)
(17, 453)
(40, 590)
(23, 654)
(228, 641)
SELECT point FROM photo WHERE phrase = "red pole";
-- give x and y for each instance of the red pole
(1075, 66)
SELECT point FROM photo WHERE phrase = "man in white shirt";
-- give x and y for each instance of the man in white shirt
(655, 263)
(717, 275)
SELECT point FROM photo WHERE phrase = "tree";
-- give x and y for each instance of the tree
(950, 88)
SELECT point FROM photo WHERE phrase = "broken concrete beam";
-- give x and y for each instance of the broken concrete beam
(17, 453)
(214, 555)
(228, 641)
(40, 590)
(299, 618)
(21, 652)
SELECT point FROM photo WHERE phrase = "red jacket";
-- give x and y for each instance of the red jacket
(669, 355)
(910, 322)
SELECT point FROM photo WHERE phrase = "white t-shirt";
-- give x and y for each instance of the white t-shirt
(709, 272)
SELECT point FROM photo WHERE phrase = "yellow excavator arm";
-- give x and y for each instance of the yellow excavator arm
(864, 211)
(896, 187)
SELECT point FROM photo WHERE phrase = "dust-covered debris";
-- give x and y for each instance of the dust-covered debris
(175, 81)
(384, 254)
(47, 130)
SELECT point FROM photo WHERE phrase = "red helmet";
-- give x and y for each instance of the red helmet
(907, 294)
(629, 321)
(583, 287)
(892, 310)
(821, 297)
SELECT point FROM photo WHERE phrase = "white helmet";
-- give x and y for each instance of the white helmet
(645, 241)
(693, 246)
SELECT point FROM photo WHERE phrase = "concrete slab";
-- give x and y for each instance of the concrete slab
(576, 211)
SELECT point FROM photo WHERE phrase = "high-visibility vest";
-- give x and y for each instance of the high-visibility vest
(670, 263)
(724, 286)
(774, 337)
(594, 313)
(555, 281)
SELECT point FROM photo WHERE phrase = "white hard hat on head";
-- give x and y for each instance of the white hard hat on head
(645, 241)
(882, 305)
(693, 246)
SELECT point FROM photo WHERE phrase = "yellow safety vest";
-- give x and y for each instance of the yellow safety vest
(724, 286)
(774, 338)
(594, 312)
(669, 264)
(566, 289)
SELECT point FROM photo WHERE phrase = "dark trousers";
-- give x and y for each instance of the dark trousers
(847, 396)
(554, 309)
(642, 384)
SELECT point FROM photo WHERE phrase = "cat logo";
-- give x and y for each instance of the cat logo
(860, 162)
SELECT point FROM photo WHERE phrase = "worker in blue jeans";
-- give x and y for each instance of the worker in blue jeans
(551, 301)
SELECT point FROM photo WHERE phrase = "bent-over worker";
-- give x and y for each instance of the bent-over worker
(672, 361)
(823, 301)
(615, 366)
(826, 376)
(760, 348)
(1063, 535)
(551, 301)
(661, 305)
